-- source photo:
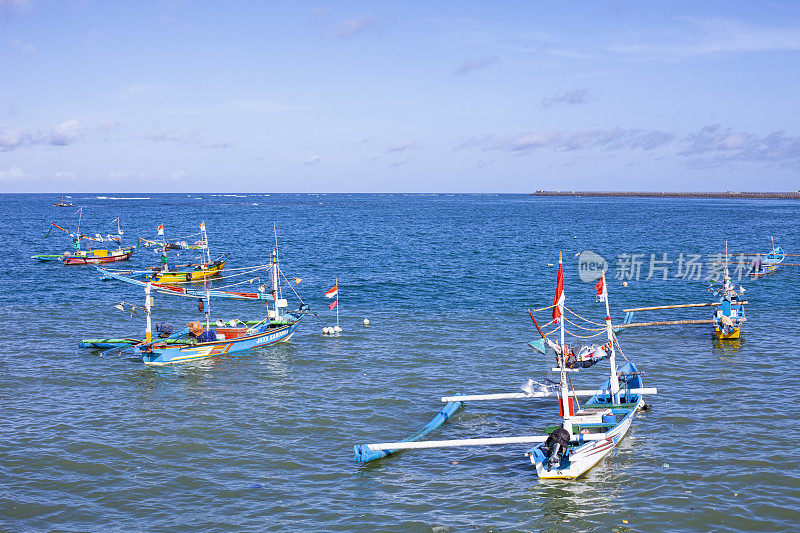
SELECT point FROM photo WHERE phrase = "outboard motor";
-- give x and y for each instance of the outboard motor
(555, 447)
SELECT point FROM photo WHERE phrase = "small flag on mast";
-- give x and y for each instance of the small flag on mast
(161, 229)
(601, 288)
(333, 292)
(203, 226)
(558, 299)
(333, 305)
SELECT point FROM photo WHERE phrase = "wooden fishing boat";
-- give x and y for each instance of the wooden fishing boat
(768, 263)
(188, 273)
(198, 272)
(62, 203)
(219, 338)
(97, 256)
(585, 435)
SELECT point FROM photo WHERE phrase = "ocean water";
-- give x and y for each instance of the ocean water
(264, 440)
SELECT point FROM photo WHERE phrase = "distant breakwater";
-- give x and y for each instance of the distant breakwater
(794, 195)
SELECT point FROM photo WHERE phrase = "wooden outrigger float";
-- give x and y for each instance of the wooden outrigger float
(586, 434)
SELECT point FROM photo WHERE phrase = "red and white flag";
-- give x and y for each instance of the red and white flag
(333, 292)
(333, 305)
(601, 288)
(558, 299)
(203, 226)
(161, 229)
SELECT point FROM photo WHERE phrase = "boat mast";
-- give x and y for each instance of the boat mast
(274, 276)
(614, 380)
(337, 301)
(78, 232)
(565, 401)
(148, 332)
(207, 253)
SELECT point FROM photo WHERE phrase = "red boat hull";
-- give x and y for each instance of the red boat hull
(97, 259)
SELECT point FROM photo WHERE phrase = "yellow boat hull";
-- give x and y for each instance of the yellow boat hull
(199, 274)
(734, 334)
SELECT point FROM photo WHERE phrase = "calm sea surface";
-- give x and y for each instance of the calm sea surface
(264, 440)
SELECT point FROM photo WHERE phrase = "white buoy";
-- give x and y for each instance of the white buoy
(366, 321)
(325, 330)
(337, 329)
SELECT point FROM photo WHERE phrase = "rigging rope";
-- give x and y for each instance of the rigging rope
(582, 318)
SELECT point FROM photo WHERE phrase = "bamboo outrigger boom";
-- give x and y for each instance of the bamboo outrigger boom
(675, 306)
(525, 396)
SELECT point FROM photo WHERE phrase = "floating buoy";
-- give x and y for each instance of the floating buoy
(325, 330)
(336, 329)
(366, 321)
(624, 283)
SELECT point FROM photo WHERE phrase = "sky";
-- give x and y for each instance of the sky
(484, 97)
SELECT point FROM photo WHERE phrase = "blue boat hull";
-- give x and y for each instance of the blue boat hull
(156, 354)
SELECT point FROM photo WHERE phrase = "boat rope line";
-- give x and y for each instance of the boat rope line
(577, 404)
(544, 308)
(583, 318)
(583, 328)
(290, 286)
(620, 348)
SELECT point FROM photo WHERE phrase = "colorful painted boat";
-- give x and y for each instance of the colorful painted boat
(198, 272)
(230, 340)
(586, 434)
(194, 272)
(95, 257)
(196, 342)
(602, 419)
(768, 263)
(729, 317)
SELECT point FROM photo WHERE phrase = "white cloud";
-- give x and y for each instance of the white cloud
(401, 146)
(237, 106)
(475, 64)
(313, 160)
(60, 135)
(14, 173)
(24, 48)
(578, 96)
(351, 27)
(580, 139)
(14, 5)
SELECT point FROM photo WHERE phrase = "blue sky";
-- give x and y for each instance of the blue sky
(406, 96)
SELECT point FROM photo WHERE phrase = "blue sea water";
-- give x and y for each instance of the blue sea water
(264, 440)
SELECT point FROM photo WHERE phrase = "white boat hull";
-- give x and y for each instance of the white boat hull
(584, 457)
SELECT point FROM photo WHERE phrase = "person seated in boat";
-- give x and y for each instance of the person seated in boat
(198, 334)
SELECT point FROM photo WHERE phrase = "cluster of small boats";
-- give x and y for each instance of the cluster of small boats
(591, 423)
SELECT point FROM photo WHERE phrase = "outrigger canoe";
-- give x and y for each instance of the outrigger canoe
(95, 257)
(587, 433)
